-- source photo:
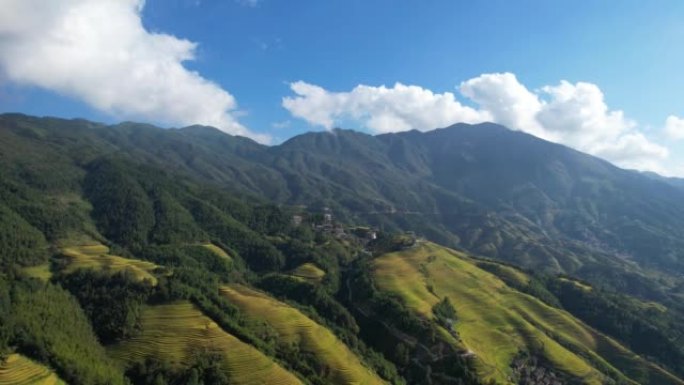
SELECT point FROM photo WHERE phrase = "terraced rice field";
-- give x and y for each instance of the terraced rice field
(506, 273)
(579, 284)
(41, 272)
(97, 257)
(217, 250)
(19, 370)
(294, 327)
(308, 272)
(496, 321)
(172, 332)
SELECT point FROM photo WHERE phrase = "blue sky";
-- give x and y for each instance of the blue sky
(615, 55)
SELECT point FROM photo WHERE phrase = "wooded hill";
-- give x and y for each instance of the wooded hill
(107, 232)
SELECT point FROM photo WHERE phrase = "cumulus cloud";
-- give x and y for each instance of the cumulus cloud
(674, 127)
(506, 100)
(380, 109)
(572, 114)
(99, 51)
(577, 114)
(634, 150)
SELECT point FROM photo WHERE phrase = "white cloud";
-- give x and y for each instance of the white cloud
(674, 127)
(381, 109)
(577, 114)
(572, 114)
(99, 51)
(506, 100)
(635, 151)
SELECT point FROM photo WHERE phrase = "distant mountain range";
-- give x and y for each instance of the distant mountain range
(484, 188)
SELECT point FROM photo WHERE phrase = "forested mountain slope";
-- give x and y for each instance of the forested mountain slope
(483, 188)
(498, 326)
(108, 232)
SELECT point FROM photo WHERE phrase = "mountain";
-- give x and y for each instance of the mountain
(476, 182)
(483, 188)
(480, 313)
(133, 254)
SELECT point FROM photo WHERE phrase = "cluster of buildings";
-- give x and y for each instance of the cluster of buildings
(325, 223)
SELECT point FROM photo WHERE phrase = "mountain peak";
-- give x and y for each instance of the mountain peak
(202, 130)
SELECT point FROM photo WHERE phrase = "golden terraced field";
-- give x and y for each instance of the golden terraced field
(19, 370)
(172, 332)
(41, 272)
(218, 251)
(294, 327)
(97, 257)
(496, 322)
(308, 272)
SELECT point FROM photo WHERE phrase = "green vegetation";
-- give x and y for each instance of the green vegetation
(645, 327)
(175, 332)
(335, 362)
(112, 302)
(19, 370)
(20, 243)
(556, 210)
(97, 257)
(218, 251)
(42, 272)
(652, 331)
(121, 208)
(495, 322)
(203, 368)
(512, 276)
(317, 260)
(45, 323)
(313, 296)
(444, 312)
(108, 234)
(578, 284)
(308, 272)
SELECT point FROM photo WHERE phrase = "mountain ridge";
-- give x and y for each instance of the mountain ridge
(485, 188)
(109, 229)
